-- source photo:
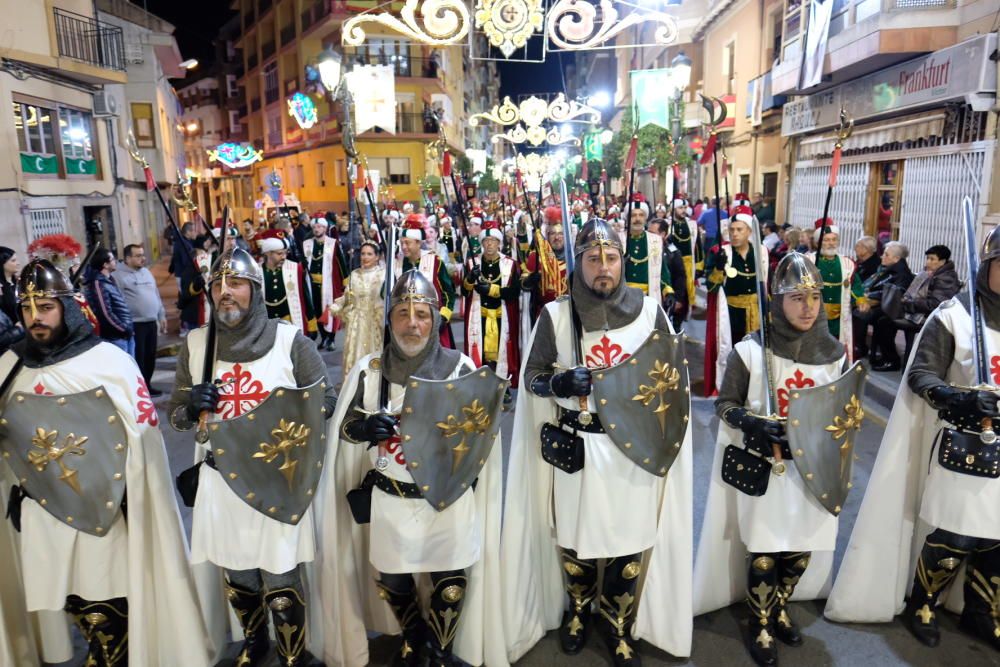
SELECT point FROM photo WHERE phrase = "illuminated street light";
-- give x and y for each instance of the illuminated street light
(607, 136)
(330, 66)
(680, 68)
(189, 64)
(601, 99)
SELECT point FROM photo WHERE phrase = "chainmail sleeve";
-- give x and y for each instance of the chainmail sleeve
(931, 358)
(308, 367)
(543, 352)
(734, 388)
(177, 405)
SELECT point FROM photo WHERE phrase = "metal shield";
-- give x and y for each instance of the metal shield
(69, 453)
(644, 402)
(822, 425)
(447, 429)
(272, 457)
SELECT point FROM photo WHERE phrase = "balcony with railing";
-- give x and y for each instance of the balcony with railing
(251, 61)
(263, 6)
(315, 13)
(402, 65)
(287, 35)
(267, 50)
(89, 41)
(411, 123)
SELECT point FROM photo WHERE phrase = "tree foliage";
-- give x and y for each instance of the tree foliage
(655, 147)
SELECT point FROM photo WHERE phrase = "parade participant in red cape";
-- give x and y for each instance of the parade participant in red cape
(491, 287)
(544, 271)
(429, 264)
(328, 275)
(242, 520)
(732, 303)
(79, 433)
(285, 292)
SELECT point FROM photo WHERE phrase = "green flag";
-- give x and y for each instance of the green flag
(81, 166)
(593, 148)
(32, 163)
(651, 94)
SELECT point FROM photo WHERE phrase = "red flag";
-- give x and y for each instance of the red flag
(709, 152)
(677, 172)
(633, 148)
(446, 165)
(150, 179)
(835, 166)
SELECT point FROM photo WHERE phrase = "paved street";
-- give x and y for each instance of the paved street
(717, 639)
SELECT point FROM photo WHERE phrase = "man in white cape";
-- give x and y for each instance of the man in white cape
(841, 284)
(115, 580)
(559, 523)
(372, 585)
(930, 520)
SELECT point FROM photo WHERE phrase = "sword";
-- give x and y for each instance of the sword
(980, 358)
(208, 367)
(382, 460)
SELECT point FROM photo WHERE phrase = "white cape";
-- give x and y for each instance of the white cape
(534, 597)
(879, 563)
(165, 623)
(351, 605)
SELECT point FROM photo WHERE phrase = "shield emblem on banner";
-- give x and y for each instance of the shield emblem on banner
(447, 429)
(69, 454)
(272, 456)
(822, 425)
(644, 402)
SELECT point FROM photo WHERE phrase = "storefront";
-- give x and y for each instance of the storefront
(920, 144)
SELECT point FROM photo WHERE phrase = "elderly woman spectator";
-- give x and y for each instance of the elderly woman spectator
(866, 260)
(893, 275)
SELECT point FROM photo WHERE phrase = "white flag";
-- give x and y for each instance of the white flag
(374, 90)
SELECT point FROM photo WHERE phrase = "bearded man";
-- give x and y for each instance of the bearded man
(591, 498)
(429, 264)
(841, 284)
(258, 363)
(78, 433)
(392, 526)
(286, 295)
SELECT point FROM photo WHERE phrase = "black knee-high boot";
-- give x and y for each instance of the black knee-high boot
(791, 566)
(937, 566)
(105, 626)
(288, 613)
(445, 614)
(249, 608)
(581, 584)
(981, 615)
(618, 605)
(762, 598)
(400, 592)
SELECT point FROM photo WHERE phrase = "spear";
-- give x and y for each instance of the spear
(710, 150)
(843, 132)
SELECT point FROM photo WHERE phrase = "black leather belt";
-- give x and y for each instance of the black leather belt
(393, 487)
(571, 419)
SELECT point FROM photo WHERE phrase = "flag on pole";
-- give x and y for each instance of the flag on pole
(446, 165)
(150, 179)
(835, 166)
(709, 153)
(633, 148)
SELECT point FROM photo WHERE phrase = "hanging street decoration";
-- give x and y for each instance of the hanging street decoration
(652, 90)
(508, 24)
(235, 156)
(580, 25)
(373, 88)
(441, 23)
(534, 111)
(535, 135)
(303, 110)
(593, 147)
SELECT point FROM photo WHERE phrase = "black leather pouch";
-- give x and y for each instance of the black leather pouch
(562, 449)
(744, 471)
(965, 453)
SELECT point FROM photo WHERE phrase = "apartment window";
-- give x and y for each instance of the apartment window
(886, 193)
(839, 16)
(274, 129)
(232, 90)
(339, 173)
(271, 83)
(235, 126)
(729, 66)
(45, 221)
(745, 183)
(142, 124)
(300, 178)
(770, 187)
(321, 174)
(776, 23)
(34, 125)
(394, 170)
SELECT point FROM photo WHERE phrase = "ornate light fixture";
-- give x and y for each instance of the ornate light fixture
(303, 110)
(235, 156)
(534, 111)
(578, 25)
(444, 22)
(536, 136)
(508, 24)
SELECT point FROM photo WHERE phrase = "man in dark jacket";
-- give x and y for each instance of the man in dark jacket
(678, 310)
(938, 283)
(894, 273)
(106, 299)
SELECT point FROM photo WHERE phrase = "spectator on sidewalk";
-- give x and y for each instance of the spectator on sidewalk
(189, 234)
(10, 332)
(9, 270)
(142, 295)
(771, 238)
(106, 300)
(894, 275)
(765, 213)
(937, 283)
(709, 219)
(866, 260)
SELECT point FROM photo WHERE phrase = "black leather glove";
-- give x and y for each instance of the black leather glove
(198, 284)
(373, 428)
(759, 434)
(532, 280)
(204, 396)
(472, 277)
(574, 382)
(963, 408)
(668, 304)
(14, 500)
(482, 289)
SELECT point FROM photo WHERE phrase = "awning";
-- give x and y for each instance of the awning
(910, 128)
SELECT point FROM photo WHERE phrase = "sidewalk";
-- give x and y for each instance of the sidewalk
(167, 343)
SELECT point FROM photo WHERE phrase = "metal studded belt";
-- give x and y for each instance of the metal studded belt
(571, 419)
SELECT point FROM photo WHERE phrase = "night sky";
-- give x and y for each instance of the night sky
(524, 78)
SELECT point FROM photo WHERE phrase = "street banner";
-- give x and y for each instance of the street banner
(652, 90)
(374, 90)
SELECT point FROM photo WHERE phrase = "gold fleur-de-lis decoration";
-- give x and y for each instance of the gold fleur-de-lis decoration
(287, 436)
(854, 414)
(665, 378)
(53, 453)
(477, 420)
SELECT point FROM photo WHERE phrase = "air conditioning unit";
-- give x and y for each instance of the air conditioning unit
(105, 105)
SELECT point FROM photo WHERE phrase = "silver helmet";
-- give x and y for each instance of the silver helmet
(237, 263)
(991, 247)
(795, 273)
(597, 233)
(412, 288)
(40, 279)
